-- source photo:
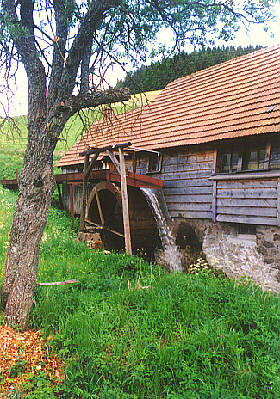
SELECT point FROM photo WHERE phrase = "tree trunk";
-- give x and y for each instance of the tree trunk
(36, 184)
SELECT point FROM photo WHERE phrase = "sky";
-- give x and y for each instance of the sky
(254, 36)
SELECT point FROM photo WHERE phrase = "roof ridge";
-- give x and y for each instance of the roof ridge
(235, 59)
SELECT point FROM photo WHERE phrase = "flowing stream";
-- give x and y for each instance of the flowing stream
(171, 254)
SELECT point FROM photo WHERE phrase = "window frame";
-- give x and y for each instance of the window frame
(271, 150)
(231, 153)
(246, 158)
(243, 158)
(149, 161)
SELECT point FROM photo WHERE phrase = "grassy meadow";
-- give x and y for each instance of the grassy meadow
(130, 330)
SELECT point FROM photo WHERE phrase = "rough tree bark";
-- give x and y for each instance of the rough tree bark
(49, 108)
(36, 183)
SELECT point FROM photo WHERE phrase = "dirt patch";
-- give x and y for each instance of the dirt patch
(22, 356)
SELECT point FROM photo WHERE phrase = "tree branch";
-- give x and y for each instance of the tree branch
(59, 283)
(26, 14)
(59, 41)
(84, 87)
(90, 23)
(22, 33)
(94, 99)
(230, 9)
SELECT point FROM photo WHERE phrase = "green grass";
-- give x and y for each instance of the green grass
(186, 336)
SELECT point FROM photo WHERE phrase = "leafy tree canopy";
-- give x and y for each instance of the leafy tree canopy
(60, 32)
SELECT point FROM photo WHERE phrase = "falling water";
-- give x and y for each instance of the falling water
(171, 253)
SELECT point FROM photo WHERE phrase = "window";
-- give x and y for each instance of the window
(247, 229)
(246, 232)
(154, 162)
(275, 156)
(254, 159)
(230, 162)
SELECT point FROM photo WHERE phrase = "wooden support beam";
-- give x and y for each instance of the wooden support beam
(114, 160)
(278, 202)
(215, 162)
(102, 174)
(60, 196)
(267, 155)
(102, 149)
(84, 195)
(89, 166)
(214, 201)
(72, 205)
(134, 162)
(126, 224)
(101, 227)
(246, 175)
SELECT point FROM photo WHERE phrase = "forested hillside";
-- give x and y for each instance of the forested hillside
(157, 75)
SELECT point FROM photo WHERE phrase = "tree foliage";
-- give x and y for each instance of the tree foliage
(65, 47)
(157, 75)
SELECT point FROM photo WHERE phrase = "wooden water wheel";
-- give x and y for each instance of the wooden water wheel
(104, 214)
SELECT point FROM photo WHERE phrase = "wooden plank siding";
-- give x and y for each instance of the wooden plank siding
(78, 197)
(278, 201)
(247, 201)
(187, 190)
(190, 193)
(191, 190)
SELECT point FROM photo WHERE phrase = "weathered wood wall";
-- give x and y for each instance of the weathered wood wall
(187, 190)
(77, 195)
(247, 201)
(189, 193)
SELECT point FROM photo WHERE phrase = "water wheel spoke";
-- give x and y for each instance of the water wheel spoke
(114, 231)
(93, 223)
(102, 227)
(99, 209)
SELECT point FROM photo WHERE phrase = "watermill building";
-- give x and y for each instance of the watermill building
(210, 142)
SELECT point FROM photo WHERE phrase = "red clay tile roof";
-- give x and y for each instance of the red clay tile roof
(224, 101)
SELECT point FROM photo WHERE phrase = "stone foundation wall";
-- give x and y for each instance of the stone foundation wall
(254, 256)
(268, 244)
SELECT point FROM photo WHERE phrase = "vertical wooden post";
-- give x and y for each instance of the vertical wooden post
(278, 201)
(214, 201)
(134, 162)
(84, 197)
(99, 209)
(215, 162)
(125, 205)
(72, 205)
(60, 196)
(267, 155)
